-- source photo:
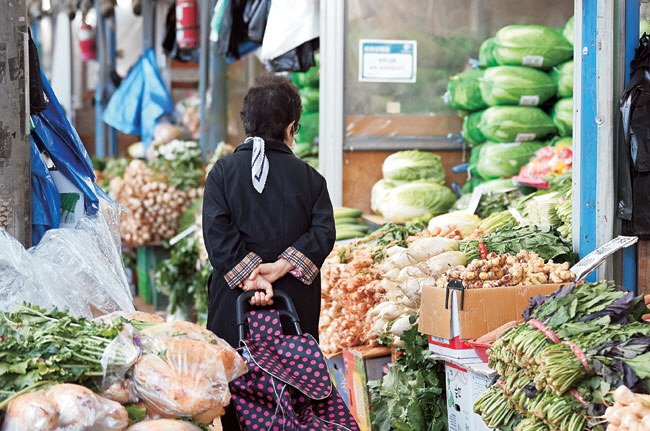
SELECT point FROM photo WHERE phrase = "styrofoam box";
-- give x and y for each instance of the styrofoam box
(464, 387)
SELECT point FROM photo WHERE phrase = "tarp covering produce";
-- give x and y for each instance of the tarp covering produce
(516, 85)
(531, 45)
(515, 124)
(497, 160)
(563, 76)
(413, 165)
(562, 116)
(464, 92)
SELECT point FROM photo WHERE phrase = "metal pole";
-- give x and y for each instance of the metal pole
(101, 135)
(332, 107)
(148, 28)
(217, 109)
(111, 59)
(15, 184)
(204, 76)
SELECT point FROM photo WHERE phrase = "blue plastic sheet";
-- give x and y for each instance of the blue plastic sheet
(54, 134)
(46, 202)
(140, 100)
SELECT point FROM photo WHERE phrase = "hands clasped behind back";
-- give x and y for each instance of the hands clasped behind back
(262, 278)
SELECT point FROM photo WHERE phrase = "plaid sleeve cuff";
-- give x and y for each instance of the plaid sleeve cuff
(306, 271)
(242, 270)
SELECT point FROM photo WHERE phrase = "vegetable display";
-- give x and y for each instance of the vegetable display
(413, 165)
(416, 199)
(348, 223)
(464, 92)
(516, 85)
(630, 411)
(531, 45)
(563, 76)
(412, 395)
(506, 270)
(516, 124)
(557, 368)
(562, 116)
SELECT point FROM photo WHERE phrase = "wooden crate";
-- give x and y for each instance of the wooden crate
(643, 267)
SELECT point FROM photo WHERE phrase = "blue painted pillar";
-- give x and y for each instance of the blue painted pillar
(588, 131)
(630, 258)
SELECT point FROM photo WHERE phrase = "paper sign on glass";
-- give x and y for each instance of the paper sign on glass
(387, 60)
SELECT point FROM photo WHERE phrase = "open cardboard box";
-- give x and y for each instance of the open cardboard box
(483, 310)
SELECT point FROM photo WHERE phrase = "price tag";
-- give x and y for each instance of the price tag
(525, 137)
(533, 60)
(529, 100)
(474, 201)
(594, 259)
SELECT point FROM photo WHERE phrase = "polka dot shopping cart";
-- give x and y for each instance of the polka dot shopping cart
(288, 386)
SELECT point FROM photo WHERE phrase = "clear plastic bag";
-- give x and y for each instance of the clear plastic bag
(185, 370)
(64, 407)
(164, 424)
(78, 269)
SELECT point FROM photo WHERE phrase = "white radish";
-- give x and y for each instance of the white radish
(425, 248)
(624, 396)
(444, 261)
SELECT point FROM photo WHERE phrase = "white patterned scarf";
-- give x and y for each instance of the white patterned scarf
(259, 163)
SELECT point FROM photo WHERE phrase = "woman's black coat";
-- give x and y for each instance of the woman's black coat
(294, 210)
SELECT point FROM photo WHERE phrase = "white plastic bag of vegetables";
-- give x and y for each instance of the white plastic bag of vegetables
(531, 45)
(185, 371)
(416, 199)
(413, 165)
(516, 85)
(64, 407)
(515, 124)
(499, 160)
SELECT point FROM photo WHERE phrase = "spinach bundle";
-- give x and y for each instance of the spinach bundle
(511, 239)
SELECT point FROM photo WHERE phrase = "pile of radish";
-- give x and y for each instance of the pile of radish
(630, 412)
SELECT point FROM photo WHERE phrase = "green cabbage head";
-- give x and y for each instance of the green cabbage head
(413, 165)
(411, 200)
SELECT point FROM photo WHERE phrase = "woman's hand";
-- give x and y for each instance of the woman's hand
(259, 283)
(272, 271)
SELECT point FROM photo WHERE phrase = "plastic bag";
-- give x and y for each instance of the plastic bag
(46, 202)
(164, 424)
(289, 25)
(515, 124)
(516, 85)
(76, 269)
(562, 116)
(141, 99)
(486, 53)
(496, 160)
(185, 370)
(299, 59)
(471, 131)
(463, 91)
(531, 45)
(54, 134)
(64, 407)
(563, 76)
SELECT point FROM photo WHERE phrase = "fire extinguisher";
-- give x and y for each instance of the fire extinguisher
(187, 26)
(87, 42)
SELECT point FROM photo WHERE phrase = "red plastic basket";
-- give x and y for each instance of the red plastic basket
(480, 349)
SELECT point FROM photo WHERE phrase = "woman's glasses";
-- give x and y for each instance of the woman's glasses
(296, 128)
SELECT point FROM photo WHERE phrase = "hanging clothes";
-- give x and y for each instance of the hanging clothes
(634, 147)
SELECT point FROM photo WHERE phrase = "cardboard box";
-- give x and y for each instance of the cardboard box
(363, 364)
(483, 310)
(336, 366)
(453, 349)
(464, 387)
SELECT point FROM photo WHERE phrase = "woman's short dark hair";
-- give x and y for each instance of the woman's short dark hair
(269, 107)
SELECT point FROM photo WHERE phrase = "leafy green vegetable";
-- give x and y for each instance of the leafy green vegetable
(511, 239)
(309, 130)
(494, 202)
(413, 165)
(471, 131)
(180, 163)
(38, 347)
(495, 160)
(496, 220)
(562, 116)
(531, 45)
(515, 123)
(569, 31)
(416, 199)
(563, 76)
(463, 91)
(179, 278)
(516, 85)
(412, 395)
(486, 53)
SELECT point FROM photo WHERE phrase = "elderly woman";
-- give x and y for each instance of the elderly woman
(267, 216)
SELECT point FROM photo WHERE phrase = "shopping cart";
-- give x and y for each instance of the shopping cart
(288, 386)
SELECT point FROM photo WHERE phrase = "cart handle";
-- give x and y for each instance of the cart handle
(243, 307)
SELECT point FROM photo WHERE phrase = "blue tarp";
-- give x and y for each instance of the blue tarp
(140, 100)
